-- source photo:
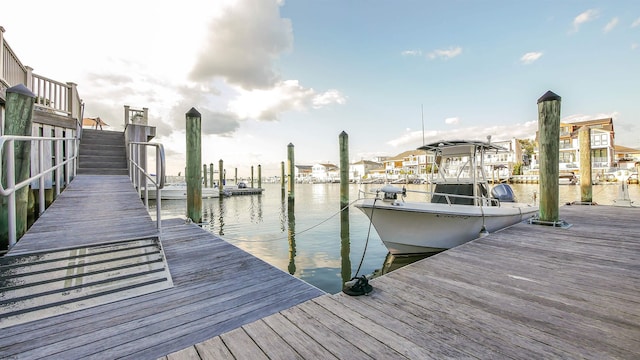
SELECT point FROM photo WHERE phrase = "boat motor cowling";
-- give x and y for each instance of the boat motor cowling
(503, 192)
(391, 192)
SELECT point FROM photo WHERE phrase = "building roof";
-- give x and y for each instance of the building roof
(626, 150)
(367, 162)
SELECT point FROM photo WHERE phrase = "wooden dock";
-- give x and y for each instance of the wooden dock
(216, 287)
(527, 292)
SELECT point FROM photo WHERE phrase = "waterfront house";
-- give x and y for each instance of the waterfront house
(627, 158)
(325, 173)
(303, 173)
(602, 145)
(363, 169)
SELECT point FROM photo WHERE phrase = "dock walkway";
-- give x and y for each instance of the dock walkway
(216, 287)
(527, 292)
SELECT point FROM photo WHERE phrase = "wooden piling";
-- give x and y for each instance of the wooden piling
(220, 176)
(211, 175)
(194, 155)
(252, 176)
(204, 173)
(290, 161)
(344, 169)
(586, 190)
(259, 176)
(549, 143)
(18, 119)
(282, 182)
(235, 178)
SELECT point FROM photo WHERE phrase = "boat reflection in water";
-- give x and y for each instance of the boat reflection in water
(394, 262)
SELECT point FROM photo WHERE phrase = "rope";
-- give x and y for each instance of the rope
(373, 207)
(297, 233)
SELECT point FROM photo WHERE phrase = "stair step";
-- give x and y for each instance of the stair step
(35, 286)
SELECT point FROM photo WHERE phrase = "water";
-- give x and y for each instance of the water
(315, 242)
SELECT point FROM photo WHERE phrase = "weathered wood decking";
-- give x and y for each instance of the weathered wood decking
(529, 291)
(93, 209)
(217, 287)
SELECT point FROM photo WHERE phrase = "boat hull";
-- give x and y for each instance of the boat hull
(415, 228)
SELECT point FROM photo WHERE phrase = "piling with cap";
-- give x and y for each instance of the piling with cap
(586, 190)
(549, 145)
(194, 159)
(18, 119)
(291, 163)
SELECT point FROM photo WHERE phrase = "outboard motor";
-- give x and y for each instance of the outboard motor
(503, 193)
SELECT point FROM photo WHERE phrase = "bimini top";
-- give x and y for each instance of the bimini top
(461, 147)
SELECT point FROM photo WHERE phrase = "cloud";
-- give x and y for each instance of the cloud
(530, 57)
(412, 53)
(610, 25)
(584, 18)
(242, 45)
(452, 121)
(445, 53)
(284, 96)
(634, 46)
(501, 132)
(636, 23)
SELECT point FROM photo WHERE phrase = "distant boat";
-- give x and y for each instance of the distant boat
(178, 191)
(460, 208)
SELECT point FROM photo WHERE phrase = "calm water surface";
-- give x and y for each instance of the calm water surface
(314, 241)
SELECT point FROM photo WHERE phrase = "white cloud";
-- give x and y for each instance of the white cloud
(412, 53)
(327, 98)
(530, 57)
(243, 43)
(584, 18)
(287, 95)
(452, 121)
(636, 23)
(445, 53)
(501, 132)
(634, 46)
(610, 25)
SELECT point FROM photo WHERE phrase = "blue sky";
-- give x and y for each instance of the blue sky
(266, 73)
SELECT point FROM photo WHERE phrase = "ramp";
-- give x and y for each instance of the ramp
(40, 285)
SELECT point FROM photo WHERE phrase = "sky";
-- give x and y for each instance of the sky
(391, 74)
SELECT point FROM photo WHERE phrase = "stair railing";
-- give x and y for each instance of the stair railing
(8, 186)
(142, 178)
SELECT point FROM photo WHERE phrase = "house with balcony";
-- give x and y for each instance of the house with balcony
(627, 158)
(411, 164)
(302, 173)
(323, 173)
(602, 145)
(500, 165)
(363, 169)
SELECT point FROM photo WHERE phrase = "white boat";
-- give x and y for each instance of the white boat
(460, 208)
(178, 191)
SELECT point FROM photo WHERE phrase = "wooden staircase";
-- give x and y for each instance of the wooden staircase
(102, 153)
(39, 285)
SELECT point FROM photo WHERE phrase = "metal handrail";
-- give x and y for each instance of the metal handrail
(138, 173)
(10, 162)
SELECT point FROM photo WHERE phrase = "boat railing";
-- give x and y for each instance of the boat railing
(64, 154)
(477, 200)
(142, 178)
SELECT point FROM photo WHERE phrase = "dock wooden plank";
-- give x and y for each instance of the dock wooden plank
(213, 348)
(217, 288)
(528, 291)
(270, 342)
(242, 346)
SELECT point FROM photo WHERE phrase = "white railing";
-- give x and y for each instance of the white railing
(142, 179)
(7, 153)
(50, 95)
